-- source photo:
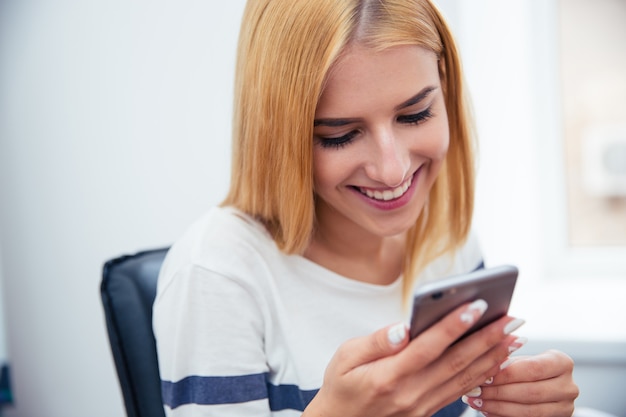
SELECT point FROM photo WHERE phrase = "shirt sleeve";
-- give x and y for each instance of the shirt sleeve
(209, 336)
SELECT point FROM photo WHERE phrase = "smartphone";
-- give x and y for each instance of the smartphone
(435, 299)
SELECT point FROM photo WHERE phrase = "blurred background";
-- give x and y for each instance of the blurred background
(115, 135)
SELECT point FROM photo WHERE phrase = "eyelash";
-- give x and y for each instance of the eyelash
(417, 118)
(341, 141)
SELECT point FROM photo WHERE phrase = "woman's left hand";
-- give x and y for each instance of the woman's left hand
(540, 385)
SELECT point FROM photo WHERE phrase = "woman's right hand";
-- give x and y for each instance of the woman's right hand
(384, 374)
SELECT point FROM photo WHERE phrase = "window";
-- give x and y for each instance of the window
(592, 69)
(587, 226)
(512, 56)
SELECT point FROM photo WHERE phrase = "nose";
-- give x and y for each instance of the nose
(390, 160)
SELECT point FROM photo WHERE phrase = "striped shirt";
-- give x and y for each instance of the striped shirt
(244, 330)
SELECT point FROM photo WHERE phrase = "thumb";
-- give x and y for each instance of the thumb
(382, 343)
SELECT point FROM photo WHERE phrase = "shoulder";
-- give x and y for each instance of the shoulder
(467, 258)
(224, 243)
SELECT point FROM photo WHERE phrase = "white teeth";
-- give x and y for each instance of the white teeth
(388, 194)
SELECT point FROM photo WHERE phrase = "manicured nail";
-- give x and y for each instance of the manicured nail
(517, 343)
(475, 402)
(489, 381)
(506, 363)
(396, 334)
(474, 393)
(479, 306)
(513, 325)
(465, 399)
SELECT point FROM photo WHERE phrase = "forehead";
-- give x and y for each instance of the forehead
(363, 77)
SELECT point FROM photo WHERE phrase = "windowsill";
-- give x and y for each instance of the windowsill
(580, 311)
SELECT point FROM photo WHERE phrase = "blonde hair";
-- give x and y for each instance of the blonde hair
(286, 49)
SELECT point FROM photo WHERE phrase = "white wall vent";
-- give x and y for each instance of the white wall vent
(604, 160)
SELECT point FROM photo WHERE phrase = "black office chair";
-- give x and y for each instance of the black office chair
(128, 289)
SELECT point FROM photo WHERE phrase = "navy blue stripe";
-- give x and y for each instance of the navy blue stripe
(289, 397)
(211, 390)
(207, 390)
(454, 409)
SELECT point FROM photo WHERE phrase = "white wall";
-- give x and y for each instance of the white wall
(114, 136)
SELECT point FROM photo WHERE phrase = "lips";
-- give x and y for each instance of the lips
(390, 194)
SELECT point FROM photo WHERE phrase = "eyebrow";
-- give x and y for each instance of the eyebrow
(417, 97)
(331, 122)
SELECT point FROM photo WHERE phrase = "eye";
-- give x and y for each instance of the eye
(417, 118)
(337, 142)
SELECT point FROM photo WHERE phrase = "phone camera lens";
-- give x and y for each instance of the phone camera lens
(437, 295)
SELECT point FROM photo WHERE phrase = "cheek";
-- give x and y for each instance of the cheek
(444, 130)
(436, 142)
(324, 169)
(332, 168)
(441, 149)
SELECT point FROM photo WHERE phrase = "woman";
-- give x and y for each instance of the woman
(352, 180)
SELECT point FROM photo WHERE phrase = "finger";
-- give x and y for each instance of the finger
(466, 364)
(546, 365)
(485, 349)
(513, 344)
(471, 376)
(469, 363)
(468, 380)
(495, 408)
(560, 389)
(430, 344)
(550, 390)
(494, 371)
(543, 383)
(363, 350)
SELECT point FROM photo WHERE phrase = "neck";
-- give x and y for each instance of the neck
(349, 250)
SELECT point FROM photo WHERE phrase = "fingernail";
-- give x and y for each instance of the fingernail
(513, 325)
(517, 343)
(479, 306)
(465, 399)
(474, 393)
(475, 402)
(396, 334)
(506, 363)
(489, 381)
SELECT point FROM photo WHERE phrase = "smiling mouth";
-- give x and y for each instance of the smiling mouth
(387, 195)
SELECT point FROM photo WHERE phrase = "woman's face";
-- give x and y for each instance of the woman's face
(381, 135)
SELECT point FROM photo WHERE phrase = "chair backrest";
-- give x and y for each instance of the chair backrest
(128, 289)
